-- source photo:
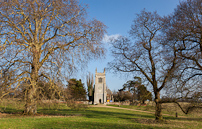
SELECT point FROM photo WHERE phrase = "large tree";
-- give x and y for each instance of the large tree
(144, 54)
(184, 28)
(45, 39)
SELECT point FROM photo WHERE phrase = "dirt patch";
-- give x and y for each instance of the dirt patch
(150, 121)
(3, 115)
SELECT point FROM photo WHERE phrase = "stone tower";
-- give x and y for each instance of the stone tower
(100, 88)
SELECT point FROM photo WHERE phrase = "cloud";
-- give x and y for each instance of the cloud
(107, 38)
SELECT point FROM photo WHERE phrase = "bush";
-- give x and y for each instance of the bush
(49, 104)
(74, 105)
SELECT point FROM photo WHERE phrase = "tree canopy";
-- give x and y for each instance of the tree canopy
(76, 89)
(46, 39)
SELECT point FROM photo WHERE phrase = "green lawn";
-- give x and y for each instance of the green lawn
(93, 117)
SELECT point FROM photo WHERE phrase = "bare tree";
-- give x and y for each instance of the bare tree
(90, 83)
(183, 28)
(145, 55)
(45, 39)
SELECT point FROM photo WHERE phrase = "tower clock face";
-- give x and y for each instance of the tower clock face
(100, 80)
(99, 87)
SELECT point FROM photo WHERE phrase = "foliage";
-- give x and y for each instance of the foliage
(139, 91)
(143, 94)
(115, 96)
(76, 90)
(124, 95)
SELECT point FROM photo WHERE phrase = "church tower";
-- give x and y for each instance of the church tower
(100, 88)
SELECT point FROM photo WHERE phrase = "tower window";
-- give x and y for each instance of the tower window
(100, 80)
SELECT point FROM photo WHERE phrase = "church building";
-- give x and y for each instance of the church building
(100, 89)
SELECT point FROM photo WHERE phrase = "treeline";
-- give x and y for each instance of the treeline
(75, 91)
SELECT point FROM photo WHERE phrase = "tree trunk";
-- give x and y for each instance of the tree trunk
(158, 111)
(31, 104)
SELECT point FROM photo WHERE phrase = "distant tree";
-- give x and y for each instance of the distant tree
(143, 94)
(76, 89)
(124, 95)
(115, 96)
(128, 85)
(109, 94)
(138, 90)
(131, 84)
(90, 83)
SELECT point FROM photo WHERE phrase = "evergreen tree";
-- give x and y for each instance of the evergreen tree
(76, 89)
(143, 94)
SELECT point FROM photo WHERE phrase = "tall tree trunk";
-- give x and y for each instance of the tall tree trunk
(158, 108)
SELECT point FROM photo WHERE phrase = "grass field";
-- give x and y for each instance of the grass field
(92, 117)
(167, 108)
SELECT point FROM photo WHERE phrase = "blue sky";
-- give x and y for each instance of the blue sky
(118, 15)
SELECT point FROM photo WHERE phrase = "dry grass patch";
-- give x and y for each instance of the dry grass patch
(170, 123)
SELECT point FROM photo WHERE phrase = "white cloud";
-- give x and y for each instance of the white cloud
(107, 38)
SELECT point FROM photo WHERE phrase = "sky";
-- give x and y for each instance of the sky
(118, 15)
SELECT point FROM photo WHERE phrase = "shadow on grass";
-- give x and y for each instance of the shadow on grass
(60, 112)
(11, 110)
(98, 114)
(93, 113)
(101, 114)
